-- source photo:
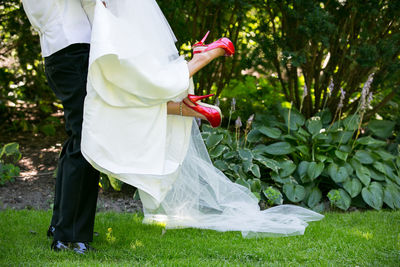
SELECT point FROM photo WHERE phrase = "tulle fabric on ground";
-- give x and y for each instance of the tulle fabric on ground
(203, 197)
(134, 71)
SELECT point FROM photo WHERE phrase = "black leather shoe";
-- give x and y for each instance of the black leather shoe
(81, 248)
(50, 231)
(59, 246)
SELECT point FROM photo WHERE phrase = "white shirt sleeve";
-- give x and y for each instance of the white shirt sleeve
(41, 12)
(60, 23)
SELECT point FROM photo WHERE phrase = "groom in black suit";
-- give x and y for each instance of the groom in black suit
(65, 32)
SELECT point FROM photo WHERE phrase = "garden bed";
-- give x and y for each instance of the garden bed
(34, 188)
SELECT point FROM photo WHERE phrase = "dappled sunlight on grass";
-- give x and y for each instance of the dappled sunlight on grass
(366, 235)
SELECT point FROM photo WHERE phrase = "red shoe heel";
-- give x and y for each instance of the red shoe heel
(212, 113)
(223, 43)
(201, 43)
(195, 98)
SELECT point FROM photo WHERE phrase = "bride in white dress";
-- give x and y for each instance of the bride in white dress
(136, 83)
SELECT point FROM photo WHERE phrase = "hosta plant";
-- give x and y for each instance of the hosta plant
(289, 158)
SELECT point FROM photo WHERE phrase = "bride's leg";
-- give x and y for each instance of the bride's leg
(202, 59)
(174, 108)
(195, 64)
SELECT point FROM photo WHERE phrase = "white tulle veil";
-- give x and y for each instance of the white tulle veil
(134, 70)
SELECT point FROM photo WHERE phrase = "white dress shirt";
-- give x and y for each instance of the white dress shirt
(60, 23)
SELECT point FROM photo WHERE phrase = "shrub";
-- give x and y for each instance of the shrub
(9, 155)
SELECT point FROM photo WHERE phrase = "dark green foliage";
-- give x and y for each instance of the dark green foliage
(324, 41)
(307, 161)
(108, 181)
(22, 72)
(286, 41)
(9, 155)
(190, 20)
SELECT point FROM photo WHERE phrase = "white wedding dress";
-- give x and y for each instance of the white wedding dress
(134, 70)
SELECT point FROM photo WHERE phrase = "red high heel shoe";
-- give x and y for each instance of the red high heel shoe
(195, 98)
(212, 113)
(223, 43)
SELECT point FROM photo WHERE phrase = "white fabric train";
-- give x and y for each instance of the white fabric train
(134, 70)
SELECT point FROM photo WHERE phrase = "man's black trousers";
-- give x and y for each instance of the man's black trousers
(77, 181)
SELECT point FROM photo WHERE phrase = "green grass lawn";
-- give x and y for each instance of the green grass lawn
(341, 239)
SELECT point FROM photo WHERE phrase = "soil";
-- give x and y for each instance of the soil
(34, 188)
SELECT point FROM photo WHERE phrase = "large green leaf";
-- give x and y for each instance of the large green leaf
(11, 149)
(314, 197)
(218, 151)
(337, 173)
(349, 168)
(341, 155)
(369, 141)
(246, 165)
(295, 120)
(255, 170)
(377, 176)
(325, 115)
(314, 125)
(230, 155)
(213, 140)
(245, 154)
(351, 122)
(294, 192)
(254, 136)
(389, 171)
(322, 158)
(364, 175)
(373, 195)
(385, 156)
(287, 168)
(302, 170)
(281, 180)
(345, 148)
(342, 137)
(315, 169)
(379, 166)
(362, 172)
(353, 186)
(280, 148)
(381, 128)
(386, 169)
(269, 163)
(355, 163)
(339, 198)
(364, 157)
(271, 132)
(391, 196)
